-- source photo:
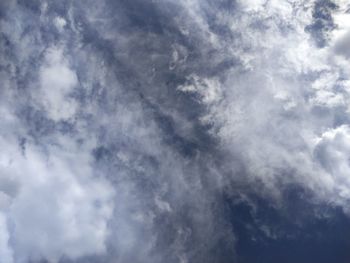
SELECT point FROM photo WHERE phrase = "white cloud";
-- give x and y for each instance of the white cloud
(264, 111)
(57, 82)
(60, 23)
(208, 89)
(268, 116)
(253, 5)
(54, 199)
(332, 152)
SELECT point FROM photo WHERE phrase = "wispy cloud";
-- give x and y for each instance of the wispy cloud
(125, 126)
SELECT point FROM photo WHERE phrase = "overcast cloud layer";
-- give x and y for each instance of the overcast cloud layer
(174, 131)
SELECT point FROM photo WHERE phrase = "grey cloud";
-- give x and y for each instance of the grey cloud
(342, 45)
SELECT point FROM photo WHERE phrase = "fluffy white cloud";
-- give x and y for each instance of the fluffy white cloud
(53, 202)
(332, 152)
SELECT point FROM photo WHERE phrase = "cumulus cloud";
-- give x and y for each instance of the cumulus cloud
(332, 152)
(51, 199)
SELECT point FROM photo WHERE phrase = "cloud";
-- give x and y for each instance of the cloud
(6, 253)
(269, 111)
(57, 82)
(342, 44)
(54, 201)
(332, 151)
(125, 124)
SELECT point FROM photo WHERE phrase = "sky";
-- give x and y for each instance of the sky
(188, 131)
